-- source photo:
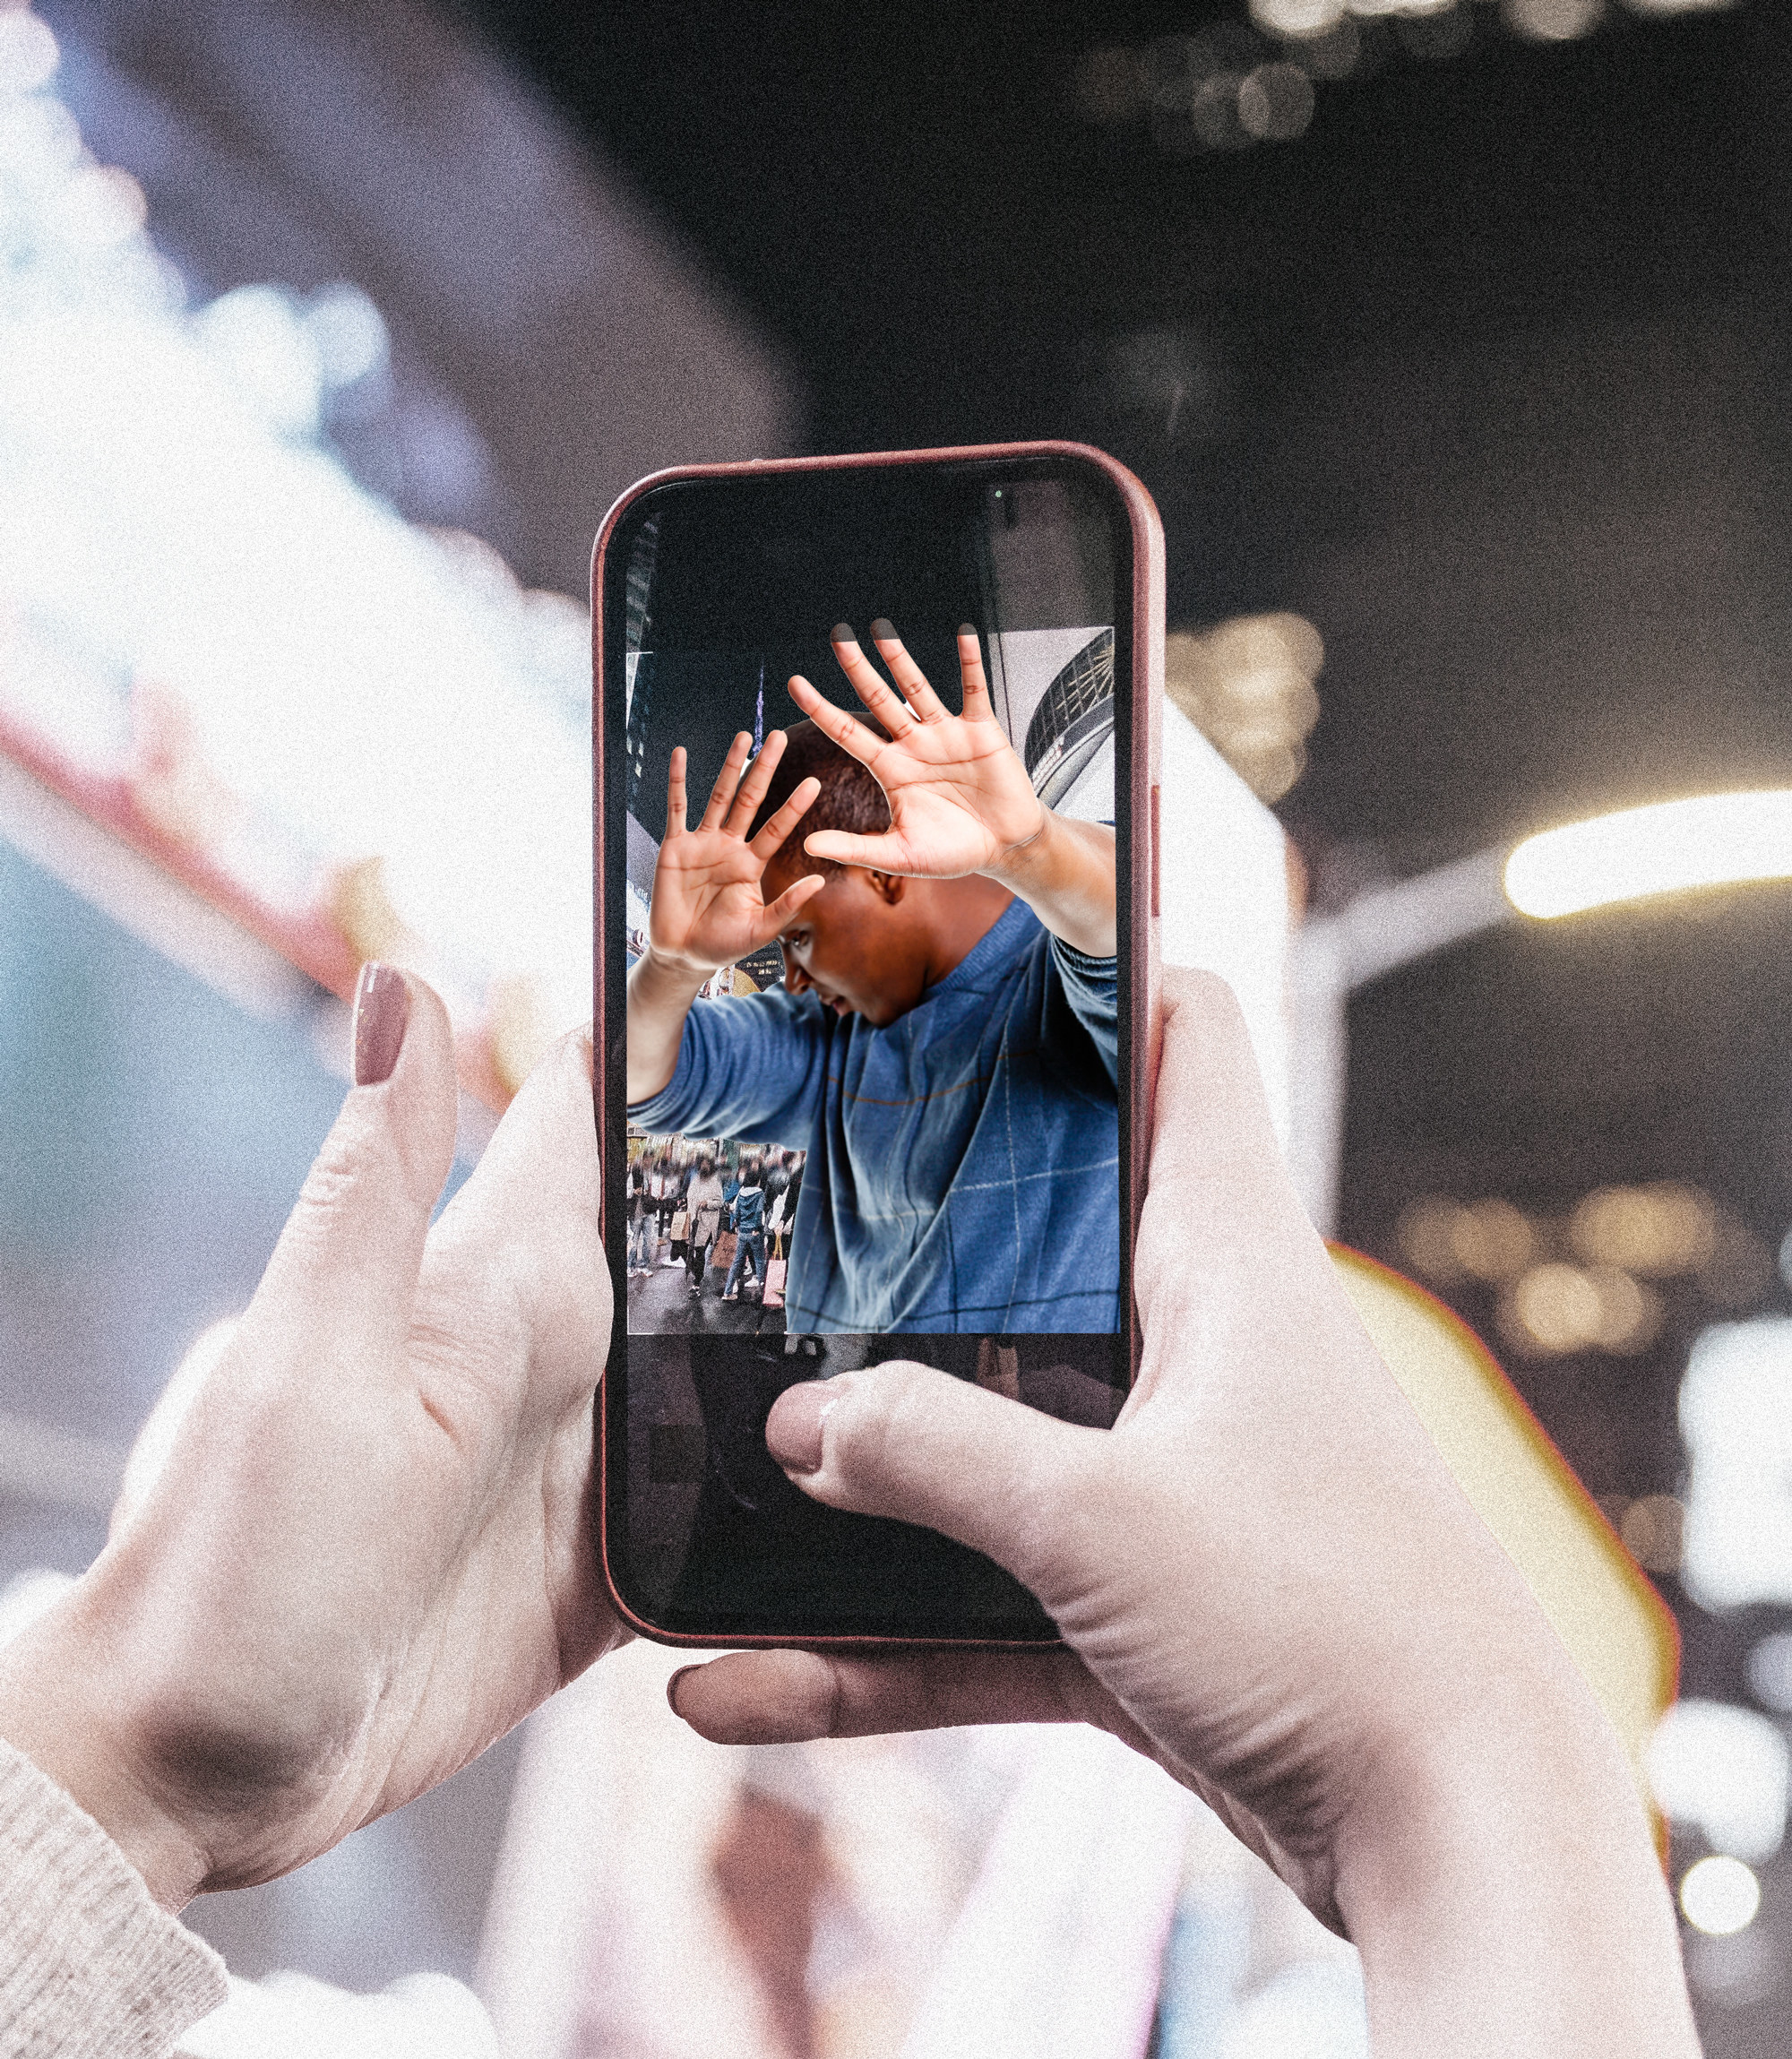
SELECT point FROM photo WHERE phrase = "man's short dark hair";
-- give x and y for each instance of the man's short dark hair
(850, 799)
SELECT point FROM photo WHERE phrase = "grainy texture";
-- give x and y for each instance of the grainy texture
(89, 1965)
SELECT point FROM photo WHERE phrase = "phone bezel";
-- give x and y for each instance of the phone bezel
(1139, 973)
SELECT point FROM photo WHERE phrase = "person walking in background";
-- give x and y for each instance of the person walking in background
(747, 1219)
(662, 1185)
(641, 1214)
(705, 1204)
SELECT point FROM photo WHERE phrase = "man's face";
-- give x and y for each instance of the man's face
(850, 945)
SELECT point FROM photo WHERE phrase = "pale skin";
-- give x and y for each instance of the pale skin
(1268, 1581)
(372, 1551)
(369, 1551)
(961, 808)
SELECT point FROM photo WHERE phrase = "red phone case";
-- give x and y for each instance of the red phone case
(1140, 973)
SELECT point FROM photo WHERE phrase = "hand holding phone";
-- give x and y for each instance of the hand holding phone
(1269, 1583)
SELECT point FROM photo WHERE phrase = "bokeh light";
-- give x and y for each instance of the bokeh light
(1275, 102)
(1653, 1529)
(1247, 685)
(1551, 20)
(1715, 840)
(1719, 1895)
(1722, 1771)
(1658, 1229)
(1769, 1671)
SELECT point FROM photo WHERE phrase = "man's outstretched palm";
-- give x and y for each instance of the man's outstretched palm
(709, 907)
(959, 797)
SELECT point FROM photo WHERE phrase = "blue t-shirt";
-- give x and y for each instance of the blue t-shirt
(964, 1162)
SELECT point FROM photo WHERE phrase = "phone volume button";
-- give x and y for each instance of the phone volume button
(1156, 844)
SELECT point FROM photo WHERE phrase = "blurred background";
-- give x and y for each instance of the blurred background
(1451, 338)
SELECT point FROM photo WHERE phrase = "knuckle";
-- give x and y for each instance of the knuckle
(890, 1405)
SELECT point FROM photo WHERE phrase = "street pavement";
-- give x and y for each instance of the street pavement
(662, 1303)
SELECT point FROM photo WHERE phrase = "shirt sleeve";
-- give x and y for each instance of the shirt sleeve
(749, 1067)
(90, 1966)
(1091, 985)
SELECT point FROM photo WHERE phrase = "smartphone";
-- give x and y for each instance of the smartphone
(905, 1118)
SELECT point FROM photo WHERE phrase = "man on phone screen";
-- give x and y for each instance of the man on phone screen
(944, 1046)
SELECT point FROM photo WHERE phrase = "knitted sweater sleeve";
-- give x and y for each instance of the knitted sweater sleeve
(90, 1966)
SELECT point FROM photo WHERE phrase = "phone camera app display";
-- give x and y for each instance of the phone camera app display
(872, 919)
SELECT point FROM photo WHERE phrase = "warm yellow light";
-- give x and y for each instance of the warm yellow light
(1717, 840)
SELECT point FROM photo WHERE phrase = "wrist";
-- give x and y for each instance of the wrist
(55, 1710)
(1497, 1873)
(675, 969)
(1022, 866)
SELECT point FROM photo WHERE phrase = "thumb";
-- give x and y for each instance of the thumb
(912, 1443)
(343, 1274)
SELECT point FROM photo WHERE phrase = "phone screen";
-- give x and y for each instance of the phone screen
(892, 1121)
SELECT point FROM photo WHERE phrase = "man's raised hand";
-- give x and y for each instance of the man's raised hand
(959, 797)
(708, 908)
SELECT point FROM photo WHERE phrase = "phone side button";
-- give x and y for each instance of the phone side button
(1157, 843)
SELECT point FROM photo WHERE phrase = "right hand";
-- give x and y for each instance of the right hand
(708, 910)
(1267, 1579)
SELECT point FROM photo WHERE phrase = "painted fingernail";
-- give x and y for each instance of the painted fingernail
(381, 1012)
(882, 630)
(842, 633)
(792, 1430)
(672, 1687)
(967, 629)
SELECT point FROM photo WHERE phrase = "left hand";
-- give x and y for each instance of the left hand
(369, 1551)
(959, 797)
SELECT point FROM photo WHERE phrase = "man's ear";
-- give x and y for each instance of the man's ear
(888, 886)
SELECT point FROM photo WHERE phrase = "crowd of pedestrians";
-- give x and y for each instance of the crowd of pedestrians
(702, 1210)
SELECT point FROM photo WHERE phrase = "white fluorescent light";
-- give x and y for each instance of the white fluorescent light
(1717, 839)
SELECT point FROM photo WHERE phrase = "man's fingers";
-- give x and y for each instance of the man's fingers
(789, 1697)
(871, 686)
(909, 1441)
(769, 840)
(727, 779)
(349, 1253)
(787, 902)
(886, 853)
(675, 802)
(752, 790)
(851, 735)
(920, 696)
(975, 682)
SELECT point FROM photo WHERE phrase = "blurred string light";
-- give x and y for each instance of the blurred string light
(1719, 1895)
(1714, 840)
(1588, 1281)
(221, 639)
(1247, 685)
(1236, 82)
